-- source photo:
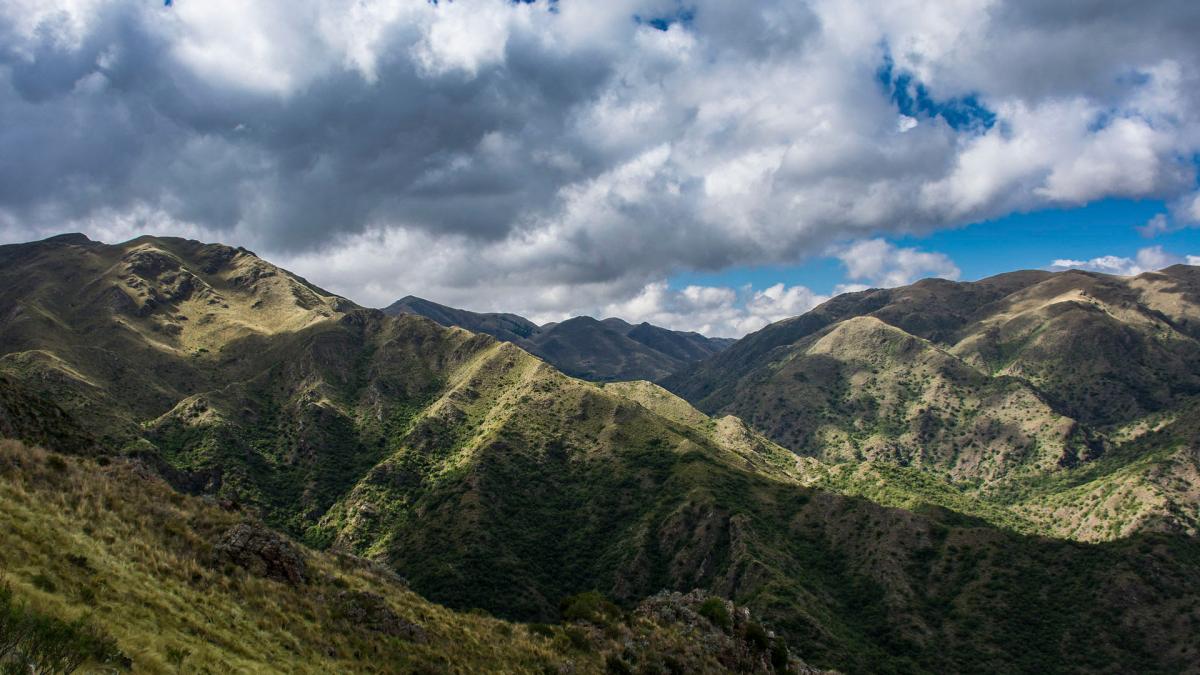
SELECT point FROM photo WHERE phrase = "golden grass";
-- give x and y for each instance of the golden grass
(121, 547)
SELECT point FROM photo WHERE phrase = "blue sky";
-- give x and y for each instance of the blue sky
(1016, 241)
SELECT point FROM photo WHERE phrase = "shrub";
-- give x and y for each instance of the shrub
(617, 665)
(578, 637)
(591, 607)
(757, 636)
(780, 657)
(715, 611)
(177, 655)
(43, 582)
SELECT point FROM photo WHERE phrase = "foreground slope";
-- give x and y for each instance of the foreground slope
(583, 347)
(141, 567)
(1059, 395)
(489, 479)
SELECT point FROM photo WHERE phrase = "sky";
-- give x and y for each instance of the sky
(705, 165)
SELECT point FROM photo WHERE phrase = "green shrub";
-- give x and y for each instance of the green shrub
(780, 656)
(757, 636)
(715, 611)
(177, 655)
(578, 637)
(591, 607)
(43, 582)
(617, 665)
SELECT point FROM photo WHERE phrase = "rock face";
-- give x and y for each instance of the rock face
(371, 611)
(262, 552)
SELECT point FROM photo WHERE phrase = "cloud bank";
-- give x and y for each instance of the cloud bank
(566, 157)
(1147, 259)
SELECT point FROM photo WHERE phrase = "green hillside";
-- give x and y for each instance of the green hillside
(601, 351)
(1059, 402)
(490, 480)
(106, 567)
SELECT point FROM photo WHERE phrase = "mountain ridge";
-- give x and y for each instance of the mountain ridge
(593, 349)
(1005, 384)
(489, 479)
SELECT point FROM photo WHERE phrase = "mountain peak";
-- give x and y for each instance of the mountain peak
(583, 346)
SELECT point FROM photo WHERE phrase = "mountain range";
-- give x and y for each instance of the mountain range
(582, 347)
(963, 477)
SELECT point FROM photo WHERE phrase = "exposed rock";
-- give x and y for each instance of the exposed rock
(262, 552)
(723, 630)
(372, 612)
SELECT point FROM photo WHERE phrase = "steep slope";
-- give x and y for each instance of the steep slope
(583, 347)
(1026, 378)
(143, 568)
(489, 479)
(520, 486)
(507, 327)
(118, 334)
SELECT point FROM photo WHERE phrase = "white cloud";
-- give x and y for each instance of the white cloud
(1158, 224)
(1148, 259)
(715, 310)
(885, 265)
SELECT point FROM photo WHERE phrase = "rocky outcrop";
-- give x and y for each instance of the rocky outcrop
(262, 552)
(371, 611)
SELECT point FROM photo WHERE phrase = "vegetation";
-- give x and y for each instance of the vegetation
(601, 351)
(127, 552)
(32, 641)
(498, 486)
(1048, 403)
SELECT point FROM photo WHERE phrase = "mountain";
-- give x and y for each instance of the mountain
(582, 347)
(155, 581)
(1066, 398)
(490, 480)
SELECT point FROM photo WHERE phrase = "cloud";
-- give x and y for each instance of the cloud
(560, 158)
(885, 265)
(1148, 259)
(1158, 224)
(715, 310)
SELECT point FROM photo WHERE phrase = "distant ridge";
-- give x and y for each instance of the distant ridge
(584, 347)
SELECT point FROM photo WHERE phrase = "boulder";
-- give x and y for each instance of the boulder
(372, 612)
(262, 552)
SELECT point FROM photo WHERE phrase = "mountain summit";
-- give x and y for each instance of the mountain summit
(583, 347)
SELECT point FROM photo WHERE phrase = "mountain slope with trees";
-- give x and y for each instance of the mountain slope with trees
(582, 347)
(489, 479)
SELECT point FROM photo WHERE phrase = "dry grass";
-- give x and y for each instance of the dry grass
(113, 544)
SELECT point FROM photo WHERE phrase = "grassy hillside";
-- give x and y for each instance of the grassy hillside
(488, 479)
(134, 567)
(1040, 397)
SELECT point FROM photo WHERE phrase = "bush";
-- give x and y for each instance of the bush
(757, 636)
(578, 637)
(591, 607)
(43, 582)
(715, 611)
(780, 656)
(616, 665)
(56, 463)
